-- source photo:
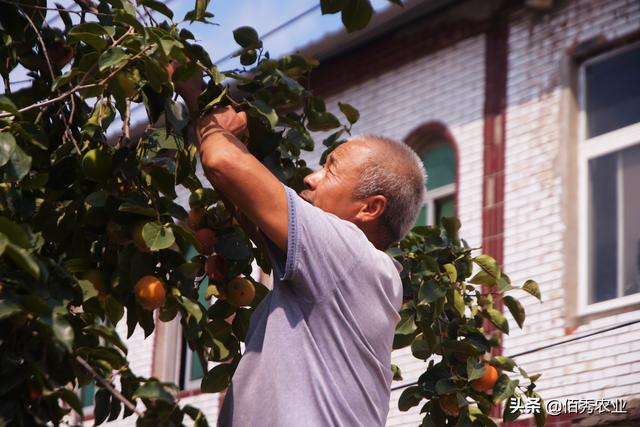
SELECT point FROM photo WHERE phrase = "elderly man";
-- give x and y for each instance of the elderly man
(319, 346)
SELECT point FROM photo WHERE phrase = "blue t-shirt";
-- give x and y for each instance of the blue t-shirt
(318, 350)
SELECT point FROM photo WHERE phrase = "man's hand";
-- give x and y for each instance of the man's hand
(225, 118)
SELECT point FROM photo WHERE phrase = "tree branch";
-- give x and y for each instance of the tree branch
(109, 387)
(44, 47)
(77, 12)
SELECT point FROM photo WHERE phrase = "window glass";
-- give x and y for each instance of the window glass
(440, 164)
(603, 259)
(445, 207)
(614, 213)
(613, 92)
(631, 217)
(87, 394)
(422, 217)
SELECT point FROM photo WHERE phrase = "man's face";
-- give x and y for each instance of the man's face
(331, 187)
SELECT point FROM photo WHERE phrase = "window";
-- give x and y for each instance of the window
(87, 396)
(609, 168)
(433, 144)
(190, 371)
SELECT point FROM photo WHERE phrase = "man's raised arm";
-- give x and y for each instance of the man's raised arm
(235, 172)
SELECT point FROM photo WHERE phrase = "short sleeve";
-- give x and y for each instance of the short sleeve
(321, 249)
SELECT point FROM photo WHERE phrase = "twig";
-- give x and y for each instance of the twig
(33, 6)
(126, 122)
(109, 387)
(79, 86)
(7, 83)
(44, 47)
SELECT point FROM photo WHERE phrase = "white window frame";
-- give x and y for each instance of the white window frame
(189, 384)
(435, 195)
(590, 148)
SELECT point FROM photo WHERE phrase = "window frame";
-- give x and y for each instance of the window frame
(433, 196)
(415, 140)
(587, 149)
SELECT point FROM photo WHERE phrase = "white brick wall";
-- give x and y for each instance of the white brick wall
(604, 366)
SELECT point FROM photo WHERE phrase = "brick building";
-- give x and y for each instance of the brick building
(527, 115)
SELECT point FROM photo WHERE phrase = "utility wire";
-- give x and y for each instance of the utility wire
(275, 30)
(545, 347)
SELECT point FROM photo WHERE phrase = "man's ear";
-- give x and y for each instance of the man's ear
(372, 208)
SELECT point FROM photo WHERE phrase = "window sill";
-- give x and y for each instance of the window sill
(608, 308)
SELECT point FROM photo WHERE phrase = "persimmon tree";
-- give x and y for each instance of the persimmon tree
(91, 234)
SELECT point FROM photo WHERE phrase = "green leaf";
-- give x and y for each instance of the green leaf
(409, 398)
(498, 319)
(193, 308)
(248, 57)
(163, 180)
(451, 272)
(475, 369)
(490, 271)
(397, 374)
(158, 7)
(430, 291)
(153, 390)
(356, 15)
(332, 6)
(17, 167)
(516, 309)
(458, 303)
(24, 260)
(113, 309)
(101, 406)
(503, 362)
(421, 349)
(321, 121)
(70, 397)
(108, 334)
(445, 386)
(112, 57)
(157, 236)
(217, 379)
(406, 325)
(8, 308)
(350, 112)
(531, 287)
(266, 111)
(247, 37)
(504, 388)
(6, 104)
(14, 233)
(63, 331)
(241, 322)
(90, 33)
(201, 9)
(233, 246)
(7, 147)
(3, 242)
(88, 290)
(292, 84)
(177, 114)
(509, 414)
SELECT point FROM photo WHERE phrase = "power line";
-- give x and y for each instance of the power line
(274, 30)
(545, 347)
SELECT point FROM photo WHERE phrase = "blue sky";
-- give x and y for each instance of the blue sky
(263, 15)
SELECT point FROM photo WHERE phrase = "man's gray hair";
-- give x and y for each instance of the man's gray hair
(395, 171)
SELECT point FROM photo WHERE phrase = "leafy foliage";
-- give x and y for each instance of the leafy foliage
(446, 322)
(87, 208)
